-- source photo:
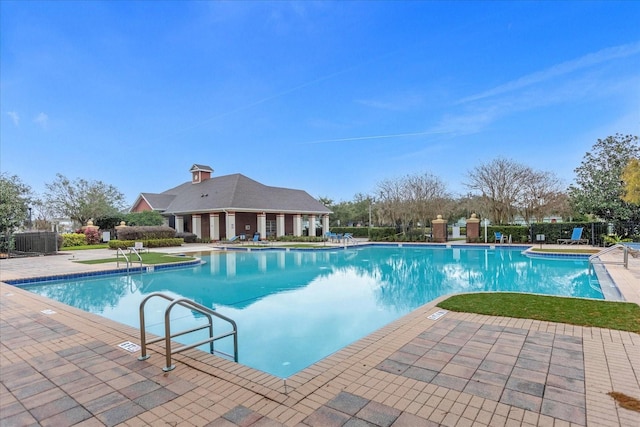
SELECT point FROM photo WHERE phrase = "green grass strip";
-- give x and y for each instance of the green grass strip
(150, 258)
(84, 247)
(567, 251)
(622, 316)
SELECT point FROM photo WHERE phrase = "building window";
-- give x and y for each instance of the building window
(271, 227)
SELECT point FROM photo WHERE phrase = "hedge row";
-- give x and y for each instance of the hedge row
(188, 237)
(148, 243)
(298, 239)
(73, 239)
(146, 233)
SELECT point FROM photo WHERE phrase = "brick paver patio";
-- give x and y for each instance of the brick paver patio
(61, 366)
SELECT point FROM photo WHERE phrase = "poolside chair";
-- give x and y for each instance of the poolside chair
(234, 239)
(576, 238)
(138, 247)
(256, 239)
(499, 237)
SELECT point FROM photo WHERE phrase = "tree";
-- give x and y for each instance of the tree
(541, 196)
(598, 189)
(411, 200)
(325, 201)
(81, 200)
(15, 198)
(631, 182)
(144, 218)
(499, 183)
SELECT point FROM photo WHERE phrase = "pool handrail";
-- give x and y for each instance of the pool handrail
(191, 305)
(595, 258)
(121, 252)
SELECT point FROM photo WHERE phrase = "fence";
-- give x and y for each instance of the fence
(594, 232)
(32, 243)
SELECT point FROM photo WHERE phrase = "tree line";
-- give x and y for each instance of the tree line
(606, 187)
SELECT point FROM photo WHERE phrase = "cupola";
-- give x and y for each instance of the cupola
(200, 173)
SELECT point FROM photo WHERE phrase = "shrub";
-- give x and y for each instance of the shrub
(73, 239)
(188, 237)
(149, 243)
(108, 222)
(299, 239)
(146, 218)
(92, 236)
(146, 232)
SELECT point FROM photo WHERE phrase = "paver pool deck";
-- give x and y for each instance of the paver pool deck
(61, 366)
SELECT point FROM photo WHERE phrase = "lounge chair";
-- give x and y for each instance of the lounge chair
(139, 247)
(499, 237)
(576, 238)
(233, 239)
(256, 239)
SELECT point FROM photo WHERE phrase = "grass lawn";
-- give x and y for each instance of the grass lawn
(84, 247)
(622, 316)
(147, 258)
(567, 251)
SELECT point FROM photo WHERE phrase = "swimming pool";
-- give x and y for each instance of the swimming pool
(296, 307)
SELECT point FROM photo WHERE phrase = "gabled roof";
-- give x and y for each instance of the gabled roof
(158, 202)
(234, 193)
(203, 168)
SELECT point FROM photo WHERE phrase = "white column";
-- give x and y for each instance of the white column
(280, 229)
(231, 263)
(297, 225)
(196, 225)
(262, 225)
(214, 264)
(312, 226)
(231, 224)
(262, 262)
(179, 224)
(214, 226)
(282, 260)
(325, 224)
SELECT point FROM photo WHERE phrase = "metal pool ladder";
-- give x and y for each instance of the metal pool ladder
(191, 305)
(126, 258)
(595, 258)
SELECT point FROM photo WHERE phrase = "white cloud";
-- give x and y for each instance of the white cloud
(15, 118)
(558, 70)
(42, 119)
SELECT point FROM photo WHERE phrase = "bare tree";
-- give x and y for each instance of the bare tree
(411, 200)
(507, 189)
(499, 183)
(540, 196)
(391, 200)
(427, 195)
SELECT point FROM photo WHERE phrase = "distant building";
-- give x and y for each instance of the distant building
(221, 207)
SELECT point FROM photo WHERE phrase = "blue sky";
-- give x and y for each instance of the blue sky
(328, 97)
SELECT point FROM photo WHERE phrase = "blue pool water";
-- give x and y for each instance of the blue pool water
(294, 308)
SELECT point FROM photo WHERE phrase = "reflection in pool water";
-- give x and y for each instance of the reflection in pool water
(294, 308)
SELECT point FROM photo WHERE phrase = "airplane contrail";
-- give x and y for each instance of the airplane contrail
(363, 138)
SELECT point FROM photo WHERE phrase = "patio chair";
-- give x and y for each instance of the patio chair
(499, 237)
(256, 239)
(576, 238)
(139, 247)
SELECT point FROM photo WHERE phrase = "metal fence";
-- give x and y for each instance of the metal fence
(597, 233)
(31, 243)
